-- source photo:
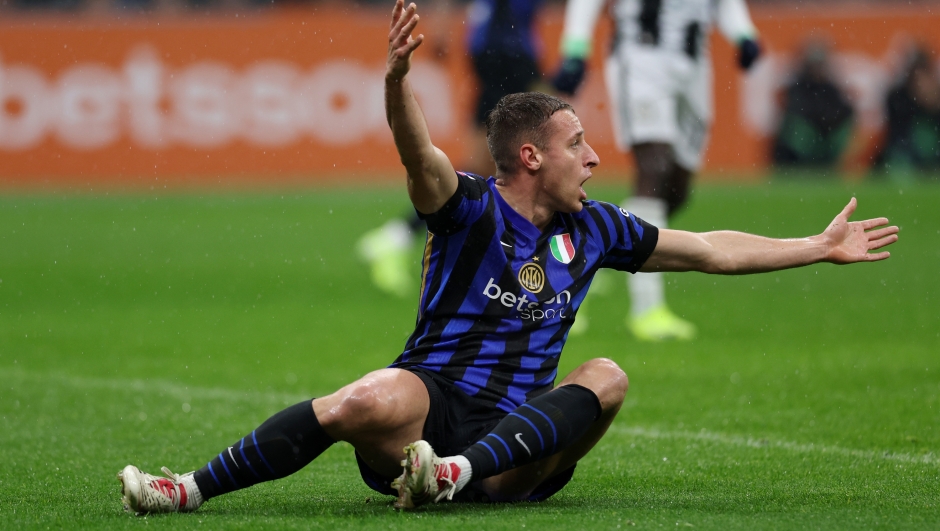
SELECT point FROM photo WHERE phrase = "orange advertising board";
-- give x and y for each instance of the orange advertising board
(299, 94)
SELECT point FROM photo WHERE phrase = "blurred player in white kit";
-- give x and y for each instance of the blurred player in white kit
(659, 81)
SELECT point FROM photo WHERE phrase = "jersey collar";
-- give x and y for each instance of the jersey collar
(520, 223)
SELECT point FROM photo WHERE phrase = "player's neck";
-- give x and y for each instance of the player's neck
(522, 195)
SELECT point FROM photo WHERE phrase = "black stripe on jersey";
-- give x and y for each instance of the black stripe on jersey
(649, 21)
(614, 217)
(576, 267)
(466, 187)
(642, 247)
(470, 258)
(425, 268)
(601, 223)
(574, 227)
(440, 222)
(497, 386)
(508, 237)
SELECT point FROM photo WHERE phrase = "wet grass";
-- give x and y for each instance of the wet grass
(157, 329)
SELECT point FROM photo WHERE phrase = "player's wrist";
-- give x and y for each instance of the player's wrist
(575, 48)
(821, 248)
(394, 77)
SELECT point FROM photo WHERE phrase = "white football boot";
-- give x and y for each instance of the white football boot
(144, 493)
(426, 478)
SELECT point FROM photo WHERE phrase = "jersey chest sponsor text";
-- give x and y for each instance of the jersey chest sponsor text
(529, 310)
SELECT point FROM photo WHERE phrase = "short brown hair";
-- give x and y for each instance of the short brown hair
(519, 119)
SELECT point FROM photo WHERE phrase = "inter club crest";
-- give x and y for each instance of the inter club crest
(532, 277)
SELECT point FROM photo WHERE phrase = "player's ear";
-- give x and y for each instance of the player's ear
(531, 157)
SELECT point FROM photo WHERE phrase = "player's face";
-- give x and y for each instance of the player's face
(567, 163)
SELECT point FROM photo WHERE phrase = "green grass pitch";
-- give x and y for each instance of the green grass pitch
(158, 329)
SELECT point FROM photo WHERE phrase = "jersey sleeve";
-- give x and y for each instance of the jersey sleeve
(627, 240)
(734, 20)
(462, 209)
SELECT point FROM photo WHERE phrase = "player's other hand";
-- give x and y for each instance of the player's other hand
(748, 52)
(400, 42)
(851, 241)
(569, 76)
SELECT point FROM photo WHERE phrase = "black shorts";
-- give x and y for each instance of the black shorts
(456, 421)
(502, 73)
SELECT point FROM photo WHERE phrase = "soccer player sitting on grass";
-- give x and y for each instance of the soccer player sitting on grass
(507, 263)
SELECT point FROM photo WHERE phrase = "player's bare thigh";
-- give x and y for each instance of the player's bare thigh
(379, 414)
(609, 383)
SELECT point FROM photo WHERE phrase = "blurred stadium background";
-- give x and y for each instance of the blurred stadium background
(152, 91)
(182, 184)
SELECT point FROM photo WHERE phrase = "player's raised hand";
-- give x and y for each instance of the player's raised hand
(851, 241)
(400, 42)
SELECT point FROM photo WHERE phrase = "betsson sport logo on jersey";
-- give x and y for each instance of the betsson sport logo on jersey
(556, 306)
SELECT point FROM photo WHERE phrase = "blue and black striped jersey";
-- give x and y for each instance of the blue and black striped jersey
(498, 295)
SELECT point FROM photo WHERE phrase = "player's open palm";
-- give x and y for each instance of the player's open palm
(851, 241)
(400, 42)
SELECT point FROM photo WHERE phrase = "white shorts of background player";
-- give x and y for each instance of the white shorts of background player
(663, 96)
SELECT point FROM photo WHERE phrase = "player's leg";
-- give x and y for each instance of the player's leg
(661, 187)
(378, 414)
(609, 384)
(542, 439)
(652, 86)
(641, 84)
(664, 175)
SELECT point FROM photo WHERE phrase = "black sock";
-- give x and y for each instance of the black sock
(539, 428)
(284, 444)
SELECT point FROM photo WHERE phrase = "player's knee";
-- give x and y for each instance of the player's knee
(359, 405)
(608, 381)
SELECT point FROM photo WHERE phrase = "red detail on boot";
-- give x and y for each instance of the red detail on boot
(182, 489)
(447, 470)
(165, 486)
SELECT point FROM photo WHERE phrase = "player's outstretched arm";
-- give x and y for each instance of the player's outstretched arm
(738, 253)
(431, 177)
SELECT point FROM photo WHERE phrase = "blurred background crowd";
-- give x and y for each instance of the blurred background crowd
(155, 5)
(820, 108)
(818, 116)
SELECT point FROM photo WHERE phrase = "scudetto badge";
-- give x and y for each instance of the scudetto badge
(532, 277)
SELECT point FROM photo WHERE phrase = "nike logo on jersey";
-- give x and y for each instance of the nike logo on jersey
(519, 438)
(505, 244)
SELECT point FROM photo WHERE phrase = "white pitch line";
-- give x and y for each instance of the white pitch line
(160, 387)
(214, 393)
(750, 442)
